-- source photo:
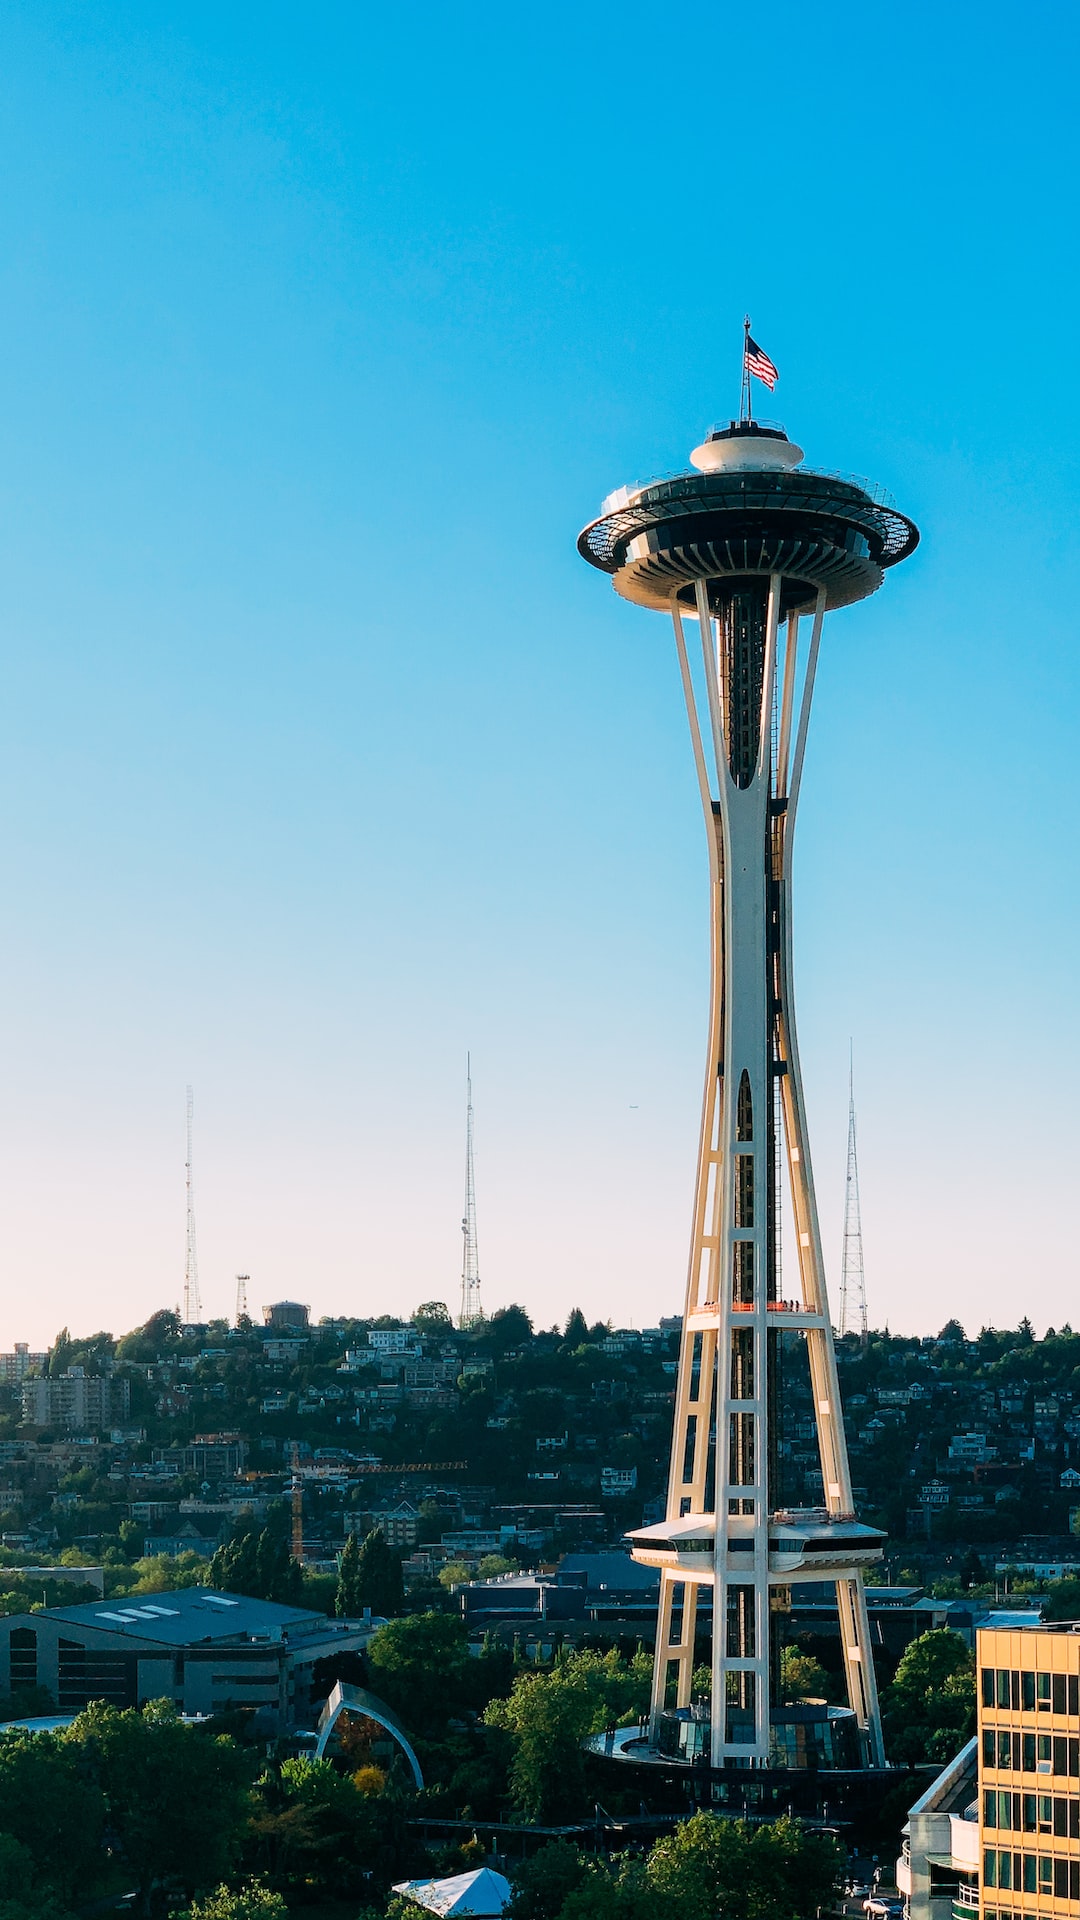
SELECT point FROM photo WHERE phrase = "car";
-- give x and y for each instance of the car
(883, 1906)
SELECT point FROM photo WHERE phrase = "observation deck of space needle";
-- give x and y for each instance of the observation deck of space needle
(753, 549)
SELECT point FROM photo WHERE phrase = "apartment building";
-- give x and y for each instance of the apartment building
(81, 1402)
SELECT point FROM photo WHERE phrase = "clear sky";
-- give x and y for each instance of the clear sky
(323, 758)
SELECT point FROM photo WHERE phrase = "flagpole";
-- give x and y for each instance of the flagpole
(747, 404)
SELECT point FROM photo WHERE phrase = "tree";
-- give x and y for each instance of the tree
(176, 1796)
(378, 1576)
(313, 1827)
(1062, 1600)
(509, 1327)
(253, 1901)
(549, 1715)
(406, 1655)
(58, 1357)
(258, 1563)
(542, 1884)
(776, 1872)
(147, 1342)
(433, 1317)
(454, 1574)
(577, 1329)
(52, 1811)
(929, 1710)
(347, 1596)
(801, 1676)
(23, 1894)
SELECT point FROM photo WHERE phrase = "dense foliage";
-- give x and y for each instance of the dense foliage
(929, 1710)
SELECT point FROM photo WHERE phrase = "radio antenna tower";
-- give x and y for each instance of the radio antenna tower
(241, 1296)
(192, 1302)
(471, 1310)
(852, 1279)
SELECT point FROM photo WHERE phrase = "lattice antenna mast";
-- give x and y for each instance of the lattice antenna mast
(471, 1310)
(192, 1302)
(241, 1297)
(852, 1278)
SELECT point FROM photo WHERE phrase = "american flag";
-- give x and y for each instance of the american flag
(759, 364)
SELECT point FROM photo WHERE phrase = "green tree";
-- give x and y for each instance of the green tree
(253, 1901)
(433, 1316)
(618, 1890)
(51, 1810)
(312, 1827)
(1062, 1600)
(258, 1563)
(549, 1715)
(929, 1710)
(378, 1576)
(419, 1666)
(777, 1872)
(347, 1595)
(454, 1574)
(577, 1329)
(23, 1893)
(542, 1884)
(508, 1328)
(176, 1796)
(801, 1676)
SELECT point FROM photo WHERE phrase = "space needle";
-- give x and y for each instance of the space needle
(751, 549)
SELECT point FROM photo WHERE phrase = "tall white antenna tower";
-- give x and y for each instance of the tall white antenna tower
(241, 1296)
(192, 1302)
(852, 1278)
(471, 1310)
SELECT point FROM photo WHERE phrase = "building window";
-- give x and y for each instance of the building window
(744, 1189)
(742, 1280)
(1027, 1692)
(23, 1658)
(742, 1364)
(744, 1109)
(741, 1450)
(741, 1628)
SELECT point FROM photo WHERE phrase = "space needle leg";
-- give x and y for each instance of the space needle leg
(825, 1386)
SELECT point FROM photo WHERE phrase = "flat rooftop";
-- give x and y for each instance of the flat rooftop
(190, 1615)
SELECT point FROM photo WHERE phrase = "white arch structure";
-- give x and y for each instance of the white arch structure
(344, 1698)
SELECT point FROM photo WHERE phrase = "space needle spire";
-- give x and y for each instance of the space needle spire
(470, 1311)
(746, 552)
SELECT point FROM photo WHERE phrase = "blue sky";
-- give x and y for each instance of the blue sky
(322, 756)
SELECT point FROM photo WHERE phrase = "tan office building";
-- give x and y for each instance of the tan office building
(1029, 1770)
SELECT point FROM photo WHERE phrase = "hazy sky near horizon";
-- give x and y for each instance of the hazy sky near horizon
(324, 759)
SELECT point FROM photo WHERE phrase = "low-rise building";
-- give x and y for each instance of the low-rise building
(205, 1650)
(938, 1871)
